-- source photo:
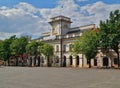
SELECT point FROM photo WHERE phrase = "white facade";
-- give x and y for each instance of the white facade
(62, 36)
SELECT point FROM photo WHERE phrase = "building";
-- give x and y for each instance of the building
(62, 36)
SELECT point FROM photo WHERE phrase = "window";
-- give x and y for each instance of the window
(70, 35)
(57, 48)
(65, 26)
(64, 48)
(53, 30)
(70, 47)
(57, 59)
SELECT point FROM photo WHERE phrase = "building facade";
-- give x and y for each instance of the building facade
(62, 36)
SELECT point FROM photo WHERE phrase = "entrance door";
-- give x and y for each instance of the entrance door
(105, 62)
(71, 62)
(95, 62)
(77, 60)
(30, 61)
(64, 61)
(38, 59)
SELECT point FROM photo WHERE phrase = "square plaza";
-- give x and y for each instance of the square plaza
(44, 77)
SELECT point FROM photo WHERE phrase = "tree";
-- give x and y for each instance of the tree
(18, 45)
(87, 44)
(5, 52)
(33, 47)
(110, 33)
(47, 50)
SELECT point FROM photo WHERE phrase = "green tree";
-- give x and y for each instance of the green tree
(87, 44)
(18, 45)
(5, 52)
(32, 48)
(47, 50)
(110, 33)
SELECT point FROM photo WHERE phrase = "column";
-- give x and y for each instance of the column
(74, 62)
(67, 62)
(80, 63)
(92, 62)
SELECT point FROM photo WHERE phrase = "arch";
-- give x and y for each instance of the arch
(35, 58)
(95, 62)
(42, 59)
(64, 61)
(77, 60)
(105, 62)
(38, 58)
(30, 61)
(71, 60)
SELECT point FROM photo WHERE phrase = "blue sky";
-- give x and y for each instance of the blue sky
(30, 17)
(51, 3)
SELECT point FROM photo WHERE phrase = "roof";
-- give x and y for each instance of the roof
(74, 31)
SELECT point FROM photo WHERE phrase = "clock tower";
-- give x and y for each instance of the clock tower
(60, 25)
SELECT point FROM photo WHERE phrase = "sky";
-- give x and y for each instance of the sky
(31, 17)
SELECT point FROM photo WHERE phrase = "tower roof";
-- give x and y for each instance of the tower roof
(59, 18)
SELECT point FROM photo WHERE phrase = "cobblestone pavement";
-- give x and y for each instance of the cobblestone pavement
(43, 77)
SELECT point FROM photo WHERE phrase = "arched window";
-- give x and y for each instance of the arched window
(57, 59)
(64, 48)
(70, 47)
(57, 48)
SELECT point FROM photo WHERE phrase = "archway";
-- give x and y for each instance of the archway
(30, 61)
(105, 62)
(38, 59)
(77, 60)
(95, 62)
(35, 58)
(64, 61)
(71, 61)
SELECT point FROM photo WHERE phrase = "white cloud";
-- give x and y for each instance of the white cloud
(26, 19)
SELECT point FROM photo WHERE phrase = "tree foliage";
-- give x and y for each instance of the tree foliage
(33, 48)
(18, 45)
(110, 32)
(87, 44)
(5, 52)
(46, 49)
